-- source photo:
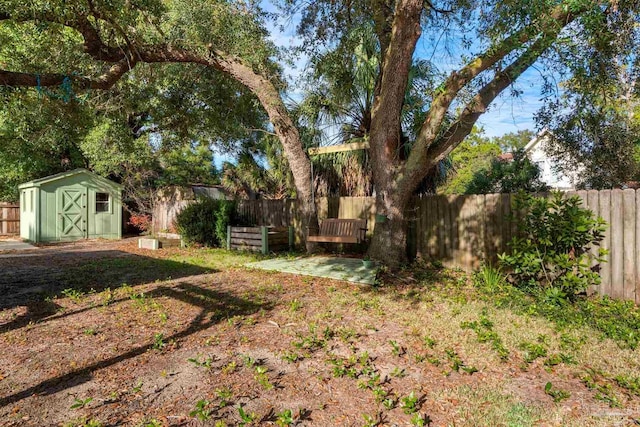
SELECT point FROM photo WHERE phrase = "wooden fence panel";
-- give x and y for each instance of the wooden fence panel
(493, 221)
(617, 241)
(629, 243)
(605, 268)
(637, 249)
(593, 205)
(9, 219)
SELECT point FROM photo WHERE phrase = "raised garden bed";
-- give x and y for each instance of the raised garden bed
(260, 239)
(158, 243)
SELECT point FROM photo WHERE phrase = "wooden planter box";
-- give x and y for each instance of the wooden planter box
(155, 244)
(260, 239)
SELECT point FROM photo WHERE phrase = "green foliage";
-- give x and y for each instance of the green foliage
(285, 418)
(557, 394)
(615, 319)
(81, 403)
(246, 417)
(205, 363)
(410, 403)
(202, 410)
(205, 221)
(83, 422)
(420, 420)
(158, 341)
(533, 351)
(490, 278)
(484, 329)
(474, 154)
(503, 176)
(514, 141)
(552, 250)
(596, 120)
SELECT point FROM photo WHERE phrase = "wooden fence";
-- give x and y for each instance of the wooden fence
(466, 231)
(9, 219)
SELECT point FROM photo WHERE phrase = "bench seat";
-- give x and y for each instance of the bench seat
(339, 230)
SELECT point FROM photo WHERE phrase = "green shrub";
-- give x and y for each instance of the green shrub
(489, 277)
(552, 249)
(205, 221)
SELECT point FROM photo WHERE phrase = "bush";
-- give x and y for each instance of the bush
(205, 221)
(552, 250)
(140, 221)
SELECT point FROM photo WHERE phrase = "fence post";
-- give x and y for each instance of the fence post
(411, 240)
(291, 237)
(228, 237)
(265, 240)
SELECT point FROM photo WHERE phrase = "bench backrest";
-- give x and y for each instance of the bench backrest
(344, 227)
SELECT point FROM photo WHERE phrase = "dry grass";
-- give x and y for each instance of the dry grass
(329, 351)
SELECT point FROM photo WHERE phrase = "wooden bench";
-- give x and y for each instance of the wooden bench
(338, 230)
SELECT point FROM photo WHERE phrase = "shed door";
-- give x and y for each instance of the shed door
(72, 213)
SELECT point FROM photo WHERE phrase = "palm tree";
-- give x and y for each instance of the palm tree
(338, 110)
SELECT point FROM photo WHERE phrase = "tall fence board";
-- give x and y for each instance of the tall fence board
(9, 219)
(164, 214)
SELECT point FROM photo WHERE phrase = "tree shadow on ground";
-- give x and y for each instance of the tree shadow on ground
(33, 281)
(215, 306)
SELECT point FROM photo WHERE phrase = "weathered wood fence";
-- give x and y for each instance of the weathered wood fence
(260, 239)
(466, 231)
(9, 219)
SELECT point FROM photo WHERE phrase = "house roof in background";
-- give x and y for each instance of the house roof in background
(47, 179)
(537, 139)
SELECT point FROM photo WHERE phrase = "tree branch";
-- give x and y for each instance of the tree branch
(396, 63)
(431, 6)
(479, 104)
(102, 82)
(457, 80)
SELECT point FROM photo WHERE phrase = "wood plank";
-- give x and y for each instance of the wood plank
(352, 146)
(605, 268)
(480, 253)
(637, 248)
(333, 239)
(245, 229)
(629, 242)
(617, 236)
(439, 217)
(422, 231)
(278, 239)
(455, 207)
(592, 204)
(237, 241)
(506, 228)
(281, 229)
(247, 248)
(246, 235)
(492, 226)
(465, 235)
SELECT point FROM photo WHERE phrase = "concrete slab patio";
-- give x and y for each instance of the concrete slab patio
(348, 269)
(15, 245)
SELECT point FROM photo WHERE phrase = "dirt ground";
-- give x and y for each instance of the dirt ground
(102, 333)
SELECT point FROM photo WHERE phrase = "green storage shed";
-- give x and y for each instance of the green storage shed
(70, 206)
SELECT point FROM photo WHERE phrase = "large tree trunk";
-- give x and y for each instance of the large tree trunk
(389, 242)
(389, 237)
